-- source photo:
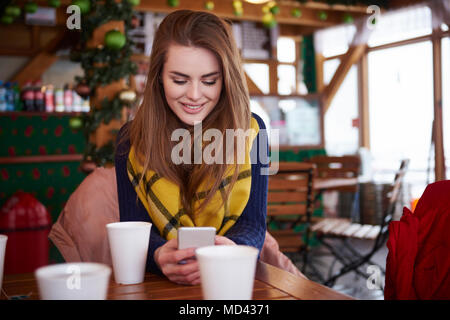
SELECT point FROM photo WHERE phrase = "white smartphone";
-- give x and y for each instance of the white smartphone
(195, 237)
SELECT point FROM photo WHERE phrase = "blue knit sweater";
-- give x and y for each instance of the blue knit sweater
(249, 229)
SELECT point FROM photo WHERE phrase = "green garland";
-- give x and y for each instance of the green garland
(103, 11)
(100, 156)
(103, 66)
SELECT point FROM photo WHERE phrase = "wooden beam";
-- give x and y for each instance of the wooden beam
(439, 168)
(353, 55)
(252, 87)
(356, 50)
(320, 85)
(273, 76)
(253, 12)
(439, 14)
(309, 19)
(41, 62)
(38, 159)
(35, 38)
(363, 102)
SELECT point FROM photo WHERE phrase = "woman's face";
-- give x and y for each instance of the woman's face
(192, 81)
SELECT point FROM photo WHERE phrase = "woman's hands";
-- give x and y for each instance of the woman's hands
(181, 266)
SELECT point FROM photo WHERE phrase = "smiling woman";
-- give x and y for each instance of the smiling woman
(195, 77)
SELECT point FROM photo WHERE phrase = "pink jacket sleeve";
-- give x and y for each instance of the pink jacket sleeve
(80, 231)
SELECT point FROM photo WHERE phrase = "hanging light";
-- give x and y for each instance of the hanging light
(257, 1)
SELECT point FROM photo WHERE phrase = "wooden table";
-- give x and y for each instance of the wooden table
(271, 283)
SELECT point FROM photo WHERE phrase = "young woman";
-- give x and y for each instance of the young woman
(195, 77)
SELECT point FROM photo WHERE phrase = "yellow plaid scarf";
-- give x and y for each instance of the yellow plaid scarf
(161, 197)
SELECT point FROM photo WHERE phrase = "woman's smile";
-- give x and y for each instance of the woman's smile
(192, 89)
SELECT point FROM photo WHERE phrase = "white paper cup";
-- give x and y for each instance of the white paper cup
(3, 240)
(73, 281)
(227, 272)
(129, 247)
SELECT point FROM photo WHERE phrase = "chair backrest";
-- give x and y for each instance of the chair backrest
(291, 190)
(337, 167)
(393, 197)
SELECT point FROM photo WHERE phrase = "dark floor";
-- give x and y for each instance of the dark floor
(350, 283)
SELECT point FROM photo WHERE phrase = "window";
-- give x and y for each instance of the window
(341, 136)
(401, 25)
(401, 111)
(334, 41)
(286, 79)
(286, 50)
(296, 119)
(259, 73)
(287, 67)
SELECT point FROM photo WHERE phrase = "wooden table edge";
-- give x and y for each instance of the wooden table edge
(295, 286)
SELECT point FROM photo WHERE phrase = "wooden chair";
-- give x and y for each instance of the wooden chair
(348, 166)
(342, 230)
(290, 204)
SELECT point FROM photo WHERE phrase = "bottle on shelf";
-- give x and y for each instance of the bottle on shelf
(17, 100)
(2, 97)
(39, 97)
(28, 97)
(68, 98)
(9, 96)
(59, 100)
(49, 99)
(86, 105)
(77, 102)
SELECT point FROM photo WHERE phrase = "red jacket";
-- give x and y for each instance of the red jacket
(418, 262)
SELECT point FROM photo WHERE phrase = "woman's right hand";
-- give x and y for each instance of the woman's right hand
(179, 266)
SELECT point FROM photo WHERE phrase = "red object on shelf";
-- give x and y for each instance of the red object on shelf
(27, 223)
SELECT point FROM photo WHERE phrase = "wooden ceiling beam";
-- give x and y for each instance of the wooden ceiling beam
(39, 63)
(251, 12)
(356, 50)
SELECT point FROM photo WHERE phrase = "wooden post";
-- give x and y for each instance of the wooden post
(320, 60)
(439, 168)
(363, 102)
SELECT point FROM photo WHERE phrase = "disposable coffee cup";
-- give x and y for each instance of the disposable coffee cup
(73, 281)
(227, 272)
(3, 240)
(128, 242)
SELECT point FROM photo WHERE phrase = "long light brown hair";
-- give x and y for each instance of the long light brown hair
(154, 122)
